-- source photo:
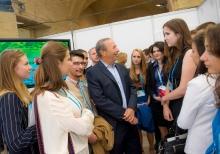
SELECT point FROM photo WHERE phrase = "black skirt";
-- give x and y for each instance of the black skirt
(158, 117)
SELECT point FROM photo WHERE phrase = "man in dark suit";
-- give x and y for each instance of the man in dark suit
(115, 97)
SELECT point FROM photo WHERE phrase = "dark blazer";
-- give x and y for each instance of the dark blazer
(19, 138)
(88, 68)
(106, 94)
(151, 81)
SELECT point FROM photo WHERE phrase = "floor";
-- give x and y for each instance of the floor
(145, 143)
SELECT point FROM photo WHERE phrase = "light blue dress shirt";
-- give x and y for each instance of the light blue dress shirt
(115, 74)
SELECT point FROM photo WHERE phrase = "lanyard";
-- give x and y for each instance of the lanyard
(81, 87)
(172, 71)
(82, 90)
(77, 102)
(161, 82)
(141, 81)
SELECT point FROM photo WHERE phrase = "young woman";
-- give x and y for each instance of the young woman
(156, 83)
(122, 58)
(62, 119)
(138, 71)
(14, 101)
(179, 68)
(211, 58)
(198, 108)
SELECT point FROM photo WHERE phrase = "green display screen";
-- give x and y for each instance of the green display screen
(32, 48)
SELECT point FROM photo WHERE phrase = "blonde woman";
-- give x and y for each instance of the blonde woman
(62, 119)
(138, 74)
(122, 58)
(14, 101)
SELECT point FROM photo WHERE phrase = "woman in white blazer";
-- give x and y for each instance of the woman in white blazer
(63, 120)
(198, 109)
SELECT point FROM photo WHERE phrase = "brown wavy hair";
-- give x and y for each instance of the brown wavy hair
(212, 36)
(48, 75)
(198, 40)
(121, 58)
(178, 26)
(9, 81)
(143, 68)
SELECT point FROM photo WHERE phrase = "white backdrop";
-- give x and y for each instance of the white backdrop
(209, 11)
(140, 32)
(135, 33)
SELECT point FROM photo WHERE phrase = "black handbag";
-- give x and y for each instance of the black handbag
(173, 143)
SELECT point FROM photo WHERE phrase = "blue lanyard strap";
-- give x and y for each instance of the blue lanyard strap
(77, 102)
(172, 71)
(82, 90)
(161, 82)
(141, 81)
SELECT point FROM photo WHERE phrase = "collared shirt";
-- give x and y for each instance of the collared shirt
(158, 84)
(72, 80)
(116, 75)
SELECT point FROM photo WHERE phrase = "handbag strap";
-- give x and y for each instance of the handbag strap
(174, 129)
(39, 132)
(38, 127)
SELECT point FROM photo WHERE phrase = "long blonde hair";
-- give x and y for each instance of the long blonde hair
(48, 75)
(122, 58)
(143, 68)
(9, 81)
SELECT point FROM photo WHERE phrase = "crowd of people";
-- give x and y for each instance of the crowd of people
(105, 108)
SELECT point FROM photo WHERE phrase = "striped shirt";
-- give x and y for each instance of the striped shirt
(13, 124)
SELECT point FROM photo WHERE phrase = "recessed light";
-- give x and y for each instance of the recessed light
(20, 23)
(160, 5)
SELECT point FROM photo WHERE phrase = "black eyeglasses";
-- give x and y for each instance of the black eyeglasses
(79, 63)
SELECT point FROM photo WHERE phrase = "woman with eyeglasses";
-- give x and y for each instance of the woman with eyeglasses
(63, 125)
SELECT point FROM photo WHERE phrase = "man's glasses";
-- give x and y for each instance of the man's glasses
(79, 63)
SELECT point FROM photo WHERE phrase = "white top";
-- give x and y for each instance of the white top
(57, 119)
(197, 114)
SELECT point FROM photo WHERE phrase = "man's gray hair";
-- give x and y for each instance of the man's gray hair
(100, 45)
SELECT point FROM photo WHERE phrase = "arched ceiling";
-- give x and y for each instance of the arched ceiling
(107, 11)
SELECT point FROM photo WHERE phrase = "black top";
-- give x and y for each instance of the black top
(175, 105)
(178, 70)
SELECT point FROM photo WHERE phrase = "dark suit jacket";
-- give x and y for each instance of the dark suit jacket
(88, 67)
(151, 81)
(106, 94)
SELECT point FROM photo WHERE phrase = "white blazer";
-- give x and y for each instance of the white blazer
(57, 119)
(197, 114)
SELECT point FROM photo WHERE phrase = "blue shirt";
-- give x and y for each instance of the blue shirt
(116, 75)
(164, 81)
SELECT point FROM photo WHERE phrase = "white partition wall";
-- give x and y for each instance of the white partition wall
(209, 11)
(189, 16)
(87, 38)
(131, 34)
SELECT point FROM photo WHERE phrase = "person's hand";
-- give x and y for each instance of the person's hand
(157, 98)
(93, 138)
(163, 100)
(128, 115)
(76, 116)
(134, 121)
(167, 113)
